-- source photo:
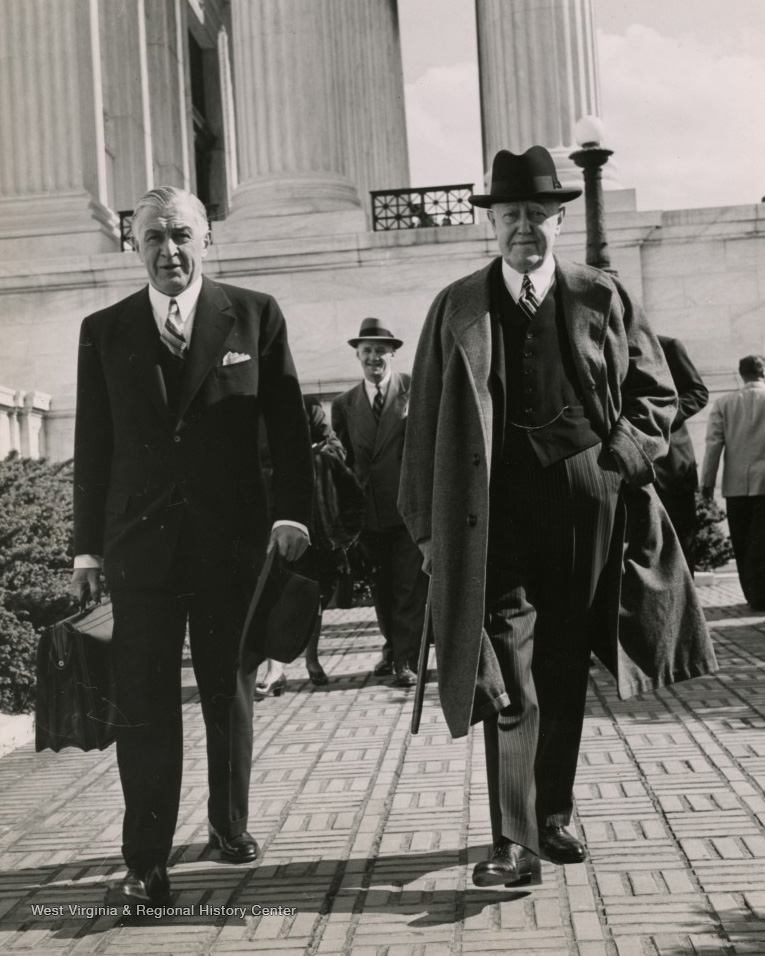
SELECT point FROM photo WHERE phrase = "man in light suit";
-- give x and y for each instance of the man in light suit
(370, 421)
(540, 399)
(676, 474)
(172, 383)
(736, 427)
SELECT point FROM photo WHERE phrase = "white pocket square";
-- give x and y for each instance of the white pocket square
(233, 358)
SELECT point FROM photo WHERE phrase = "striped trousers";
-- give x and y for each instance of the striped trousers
(549, 535)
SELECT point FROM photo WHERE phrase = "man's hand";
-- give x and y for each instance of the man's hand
(86, 584)
(426, 547)
(290, 541)
(708, 492)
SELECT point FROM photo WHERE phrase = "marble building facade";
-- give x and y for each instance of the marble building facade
(283, 115)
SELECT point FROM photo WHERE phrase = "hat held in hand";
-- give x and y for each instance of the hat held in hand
(281, 617)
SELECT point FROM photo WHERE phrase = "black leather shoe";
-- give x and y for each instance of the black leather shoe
(151, 886)
(558, 846)
(383, 668)
(242, 848)
(510, 864)
(405, 676)
(317, 675)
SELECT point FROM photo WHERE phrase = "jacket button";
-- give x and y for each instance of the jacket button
(472, 521)
(177, 438)
(476, 459)
(593, 387)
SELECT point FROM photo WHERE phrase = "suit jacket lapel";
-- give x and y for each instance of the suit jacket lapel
(392, 412)
(470, 321)
(140, 341)
(362, 419)
(213, 322)
(586, 301)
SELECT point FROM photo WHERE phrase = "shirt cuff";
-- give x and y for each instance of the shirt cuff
(88, 561)
(293, 524)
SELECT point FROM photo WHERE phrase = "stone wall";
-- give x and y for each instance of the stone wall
(700, 273)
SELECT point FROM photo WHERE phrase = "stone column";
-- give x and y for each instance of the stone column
(53, 185)
(33, 408)
(374, 111)
(538, 75)
(127, 127)
(297, 105)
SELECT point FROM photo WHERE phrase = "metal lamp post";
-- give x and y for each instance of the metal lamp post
(590, 158)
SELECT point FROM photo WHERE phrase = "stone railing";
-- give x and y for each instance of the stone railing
(22, 416)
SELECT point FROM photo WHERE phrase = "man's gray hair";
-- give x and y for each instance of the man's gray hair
(752, 366)
(162, 199)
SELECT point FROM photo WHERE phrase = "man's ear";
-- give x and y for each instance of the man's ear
(207, 243)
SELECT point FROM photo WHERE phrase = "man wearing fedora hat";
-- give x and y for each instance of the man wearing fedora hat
(540, 399)
(370, 421)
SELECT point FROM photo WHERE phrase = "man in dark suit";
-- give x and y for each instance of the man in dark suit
(168, 494)
(676, 474)
(370, 421)
(540, 398)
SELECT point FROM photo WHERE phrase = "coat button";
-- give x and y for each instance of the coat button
(177, 438)
(593, 387)
(472, 521)
(476, 459)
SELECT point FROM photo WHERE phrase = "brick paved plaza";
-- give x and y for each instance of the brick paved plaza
(369, 834)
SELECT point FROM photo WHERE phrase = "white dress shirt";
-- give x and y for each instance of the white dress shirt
(541, 279)
(187, 306)
(371, 388)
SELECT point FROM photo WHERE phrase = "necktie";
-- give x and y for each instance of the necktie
(377, 404)
(172, 332)
(528, 300)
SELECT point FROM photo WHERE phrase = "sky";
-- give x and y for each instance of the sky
(682, 89)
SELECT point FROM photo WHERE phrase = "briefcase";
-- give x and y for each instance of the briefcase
(76, 690)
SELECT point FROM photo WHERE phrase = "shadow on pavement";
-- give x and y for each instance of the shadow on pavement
(320, 887)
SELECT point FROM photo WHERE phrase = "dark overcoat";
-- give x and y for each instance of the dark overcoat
(649, 629)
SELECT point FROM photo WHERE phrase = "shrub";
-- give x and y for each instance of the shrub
(713, 547)
(18, 649)
(35, 567)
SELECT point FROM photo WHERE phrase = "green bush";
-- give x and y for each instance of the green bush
(713, 547)
(35, 567)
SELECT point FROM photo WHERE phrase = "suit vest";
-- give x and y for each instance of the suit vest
(173, 369)
(543, 403)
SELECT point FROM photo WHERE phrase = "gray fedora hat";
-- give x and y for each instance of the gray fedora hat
(374, 330)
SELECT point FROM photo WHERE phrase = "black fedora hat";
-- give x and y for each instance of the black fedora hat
(529, 176)
(281, 617)
(374, 330)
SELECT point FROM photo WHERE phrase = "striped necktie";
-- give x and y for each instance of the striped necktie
(377, 404)
(172, 331)
(528, 300)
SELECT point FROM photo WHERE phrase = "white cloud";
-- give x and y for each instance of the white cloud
(687, 121)
(444, 126)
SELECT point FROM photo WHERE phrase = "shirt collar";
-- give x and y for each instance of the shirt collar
(541, 278)
(371, 387)
(187, 300)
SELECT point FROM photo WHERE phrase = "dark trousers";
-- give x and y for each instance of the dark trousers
(746, 521)
(681, 508)
(549, 533)
(149, 631)
(399, 591)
